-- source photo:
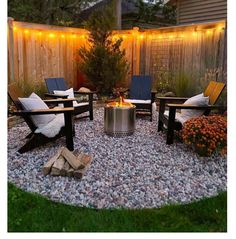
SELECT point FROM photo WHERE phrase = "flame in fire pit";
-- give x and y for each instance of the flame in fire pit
(121, 103)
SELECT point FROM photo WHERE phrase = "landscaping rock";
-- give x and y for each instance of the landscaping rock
(84, 89)
(138, 171)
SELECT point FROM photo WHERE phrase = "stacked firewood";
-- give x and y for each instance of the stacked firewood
(66, 163)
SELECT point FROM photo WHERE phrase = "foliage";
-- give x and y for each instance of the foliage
(162, 82)
(58, 12)
(29, 212)
(103, 63)
(28, 87)
(207, 134)
(148, 11)
(183, 85)
(67, 12)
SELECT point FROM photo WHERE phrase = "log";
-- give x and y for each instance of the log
(47, 166)
(70, 172)
(80, 158)
(65, 168)
(80, 173)
(71, 158)
(57, 166)
(86, 160)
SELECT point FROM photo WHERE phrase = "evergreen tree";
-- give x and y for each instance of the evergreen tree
(103, 63)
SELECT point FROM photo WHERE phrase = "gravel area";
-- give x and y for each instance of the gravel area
(138, 171)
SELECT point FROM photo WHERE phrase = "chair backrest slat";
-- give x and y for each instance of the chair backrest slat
(55, 84)
(14, 92)
(214, 90)
(141, 87)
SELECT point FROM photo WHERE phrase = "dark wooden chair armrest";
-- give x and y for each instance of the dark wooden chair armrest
(85, 93)
(57, 101)
(55, 95)
(165, 100)
(44, 111)
(195, 107)
(161, 98)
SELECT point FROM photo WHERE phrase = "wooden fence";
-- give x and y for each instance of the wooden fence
(37, 51)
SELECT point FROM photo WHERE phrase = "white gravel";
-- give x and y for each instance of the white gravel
(138, 171)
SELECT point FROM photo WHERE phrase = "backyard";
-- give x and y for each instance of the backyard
(113, 130)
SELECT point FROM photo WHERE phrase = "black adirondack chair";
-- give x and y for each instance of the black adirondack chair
(38, 139)
(60, 84)
(141, 94)
(213, 90)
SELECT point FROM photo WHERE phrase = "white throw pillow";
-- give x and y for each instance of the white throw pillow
(198, 100)
(69, 92)
(53, 127)
(34, 102)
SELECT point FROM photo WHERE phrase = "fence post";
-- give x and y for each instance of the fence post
(136, 52)
(10, 43)
(224, 67)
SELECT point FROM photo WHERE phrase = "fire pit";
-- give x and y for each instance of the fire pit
(119, 118)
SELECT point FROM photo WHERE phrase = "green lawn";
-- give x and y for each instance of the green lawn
(32, 213)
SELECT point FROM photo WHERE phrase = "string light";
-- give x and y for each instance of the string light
(134, 33)
(209, 32)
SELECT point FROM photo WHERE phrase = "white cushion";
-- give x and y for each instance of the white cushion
(69, 92)
(198, 100)
(34, 102)
(184, 115)
(134, 101)
(53, 127)
(178, 116)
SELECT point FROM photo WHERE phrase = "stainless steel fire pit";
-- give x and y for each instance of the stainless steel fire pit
(119, 121)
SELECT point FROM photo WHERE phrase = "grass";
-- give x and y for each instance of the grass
(29, 212)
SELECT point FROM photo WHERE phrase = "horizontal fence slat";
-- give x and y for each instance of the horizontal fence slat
(42, 51)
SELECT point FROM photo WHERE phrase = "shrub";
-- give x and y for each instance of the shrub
(103, 62)
(183, 85)
(30, 86)
(206, 134)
